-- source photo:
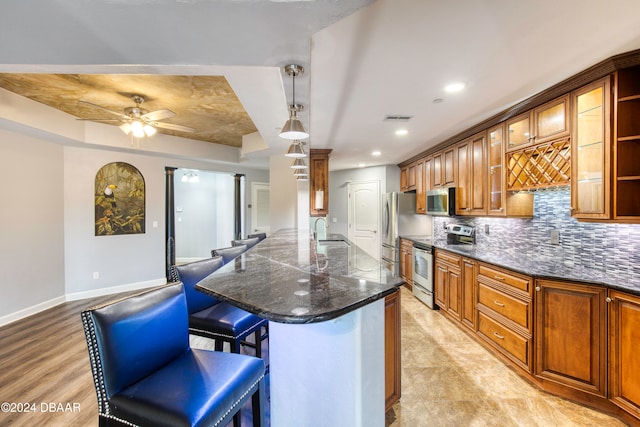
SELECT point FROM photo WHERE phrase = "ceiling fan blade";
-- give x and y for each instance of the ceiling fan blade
(158, 115)
(102, 108)
(173, 127)
(100, 120)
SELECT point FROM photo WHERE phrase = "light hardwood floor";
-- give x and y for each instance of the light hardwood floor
(447, 378)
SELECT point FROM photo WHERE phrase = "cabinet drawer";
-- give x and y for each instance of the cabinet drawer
(516, 346)
(519, 282)
(506, 305)
(449, 257)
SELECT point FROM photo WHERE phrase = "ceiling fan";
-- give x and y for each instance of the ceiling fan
(138, 121)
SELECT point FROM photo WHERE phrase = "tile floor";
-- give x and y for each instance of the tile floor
(448, 379)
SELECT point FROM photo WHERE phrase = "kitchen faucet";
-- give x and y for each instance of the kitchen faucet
(315, 227)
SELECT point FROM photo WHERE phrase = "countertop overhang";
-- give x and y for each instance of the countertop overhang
(291, 278)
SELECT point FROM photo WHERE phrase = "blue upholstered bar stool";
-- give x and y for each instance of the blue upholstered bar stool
(212, 318)
(249, 242)
(145, 372)
(230, 253)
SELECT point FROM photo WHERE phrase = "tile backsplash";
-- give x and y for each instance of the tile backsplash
(606, 247)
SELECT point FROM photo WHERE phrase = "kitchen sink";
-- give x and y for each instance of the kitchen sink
(333, 242)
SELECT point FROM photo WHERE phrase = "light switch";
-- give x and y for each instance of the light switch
(154, 224)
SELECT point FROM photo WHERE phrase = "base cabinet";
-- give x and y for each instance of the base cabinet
(571, 335)
(572, 339)
(624, 361)
(448, 284)
(468, 298)
(406, 262)
(392, 349)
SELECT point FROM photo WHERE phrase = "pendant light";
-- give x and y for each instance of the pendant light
(293, 128)
(298, 164)
(295, 150)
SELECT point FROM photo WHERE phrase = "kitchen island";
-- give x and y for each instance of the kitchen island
(325, 303)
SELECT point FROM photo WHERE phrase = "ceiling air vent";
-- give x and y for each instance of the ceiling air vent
(396, 118)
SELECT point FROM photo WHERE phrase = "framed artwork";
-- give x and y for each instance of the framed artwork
(119, 200)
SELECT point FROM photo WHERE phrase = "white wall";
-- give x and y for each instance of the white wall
(338, 202)
(204, 215)
(31, 223)
(286, 206)
(49, 251)
(134, 260)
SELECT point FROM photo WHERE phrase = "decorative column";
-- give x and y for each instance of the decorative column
(170, 231)
(238, 207)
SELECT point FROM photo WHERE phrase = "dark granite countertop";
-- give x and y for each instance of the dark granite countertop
(528, 261)
(290, 278)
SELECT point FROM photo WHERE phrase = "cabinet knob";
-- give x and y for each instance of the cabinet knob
(608, 299)
(537, 288)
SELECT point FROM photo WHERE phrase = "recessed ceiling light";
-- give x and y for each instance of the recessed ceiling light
(375, 153)
(454, 87)
(401, 132)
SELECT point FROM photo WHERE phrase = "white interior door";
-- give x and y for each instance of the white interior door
(259, 207)
(364, 216)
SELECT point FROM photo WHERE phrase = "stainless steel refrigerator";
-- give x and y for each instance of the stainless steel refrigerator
(399, 218)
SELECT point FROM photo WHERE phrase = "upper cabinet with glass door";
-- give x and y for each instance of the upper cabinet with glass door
(496, 171)
(590, 148)
(545, 123)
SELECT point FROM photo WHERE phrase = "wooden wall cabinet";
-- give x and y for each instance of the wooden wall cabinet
(545, 123)
(496, 194)
(626, 167)
(590, 151)
(539, 166)
(471, 191)
(423, 184)
(392, 349)
(449, 167)
(319, 181)
(436, 171)
(408, 178)
(571, 335)
(444, 168)
(406, 262)
(624, 363)
(448, 283)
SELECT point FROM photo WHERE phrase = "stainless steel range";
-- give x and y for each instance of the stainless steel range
(461, 234)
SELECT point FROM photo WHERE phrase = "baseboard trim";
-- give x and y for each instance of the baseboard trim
(34, 309)
(115, 289)
(26, 312)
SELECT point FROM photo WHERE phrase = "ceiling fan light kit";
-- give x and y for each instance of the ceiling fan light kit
(140, 122)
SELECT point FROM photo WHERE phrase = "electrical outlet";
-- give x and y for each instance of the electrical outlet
(96, 275)
(444, 225)
(555, 237)
(486, 229)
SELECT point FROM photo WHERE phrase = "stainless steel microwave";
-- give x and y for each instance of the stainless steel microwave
(441, 201)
